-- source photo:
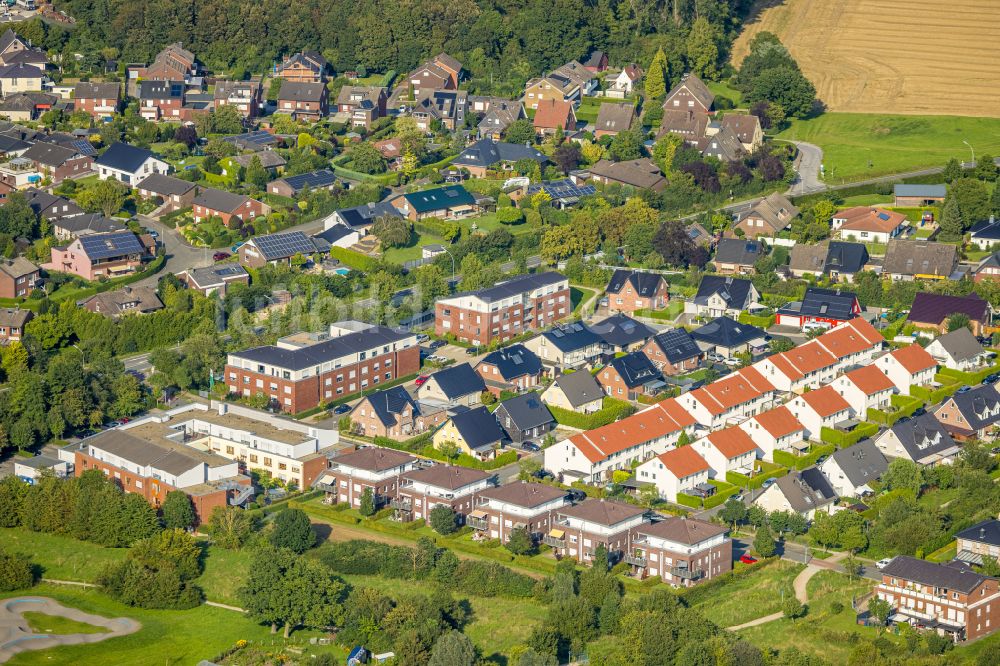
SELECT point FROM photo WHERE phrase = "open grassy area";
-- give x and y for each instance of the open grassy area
(751, 597)
(892, 143)
(61, 558)
(723, 89)
(43, 623)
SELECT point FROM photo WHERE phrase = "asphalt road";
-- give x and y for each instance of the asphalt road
(807, 166)
(139, 363)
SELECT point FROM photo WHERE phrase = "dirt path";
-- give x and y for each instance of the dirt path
(17, 636)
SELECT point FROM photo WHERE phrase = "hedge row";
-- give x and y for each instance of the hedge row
(612, 411)
(905, 407)
(969, 378)
(758, 321)
(720, 497)
(843, 439)
(465, 460)
(932, 397)
(353, 259)
(756, 481)
(689, 501)
(801, 462)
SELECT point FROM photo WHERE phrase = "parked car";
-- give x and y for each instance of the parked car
(530, 446)
(422, 338)
(747, 559)
(810, 326)
(421, 380)
(152, 233)
(219, 256)
(768, 483)
(437, 344)
(472, 351)
(991, 379)
(822, 459)
(919, 411)
(577, 495)
(738, 497)
(341, 409)
(964, 389)
(883, 563)
(732, 362)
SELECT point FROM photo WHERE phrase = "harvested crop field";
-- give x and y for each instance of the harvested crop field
(890, 56)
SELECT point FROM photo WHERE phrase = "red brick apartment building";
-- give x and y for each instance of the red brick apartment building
(506, 310)
(303, 370)
(951, 598)
(457, 488)
(681, 551)
(154, 468)
(499, 511)
(373, 468)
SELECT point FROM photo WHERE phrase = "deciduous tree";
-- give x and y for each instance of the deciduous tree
(291, 529)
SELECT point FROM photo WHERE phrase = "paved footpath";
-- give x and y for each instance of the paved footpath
(16, 635)
(800, 585)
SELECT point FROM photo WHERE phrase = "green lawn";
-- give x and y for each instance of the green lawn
(892, 143)
(43, 623)
(751, 597)
(867, 200)
(580, 295)
(61, 558)
(721, 88)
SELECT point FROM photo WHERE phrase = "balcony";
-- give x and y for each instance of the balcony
(555, 538)
(686, 573)
(480, 522)
(401, 504)
(636, 560)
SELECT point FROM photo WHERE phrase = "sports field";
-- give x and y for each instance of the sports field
(890, 56)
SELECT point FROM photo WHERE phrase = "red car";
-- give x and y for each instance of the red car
(420, 380)
(219, 256)
(746, 559)
(124, 419)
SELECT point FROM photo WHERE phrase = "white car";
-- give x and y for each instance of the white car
(732, 362)
(814, 326)
(883, 563)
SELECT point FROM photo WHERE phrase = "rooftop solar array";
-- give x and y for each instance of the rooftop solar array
(83, 147)
(284, 245)
(256, 138)
(562, 189)
(321, 178)
(115, 244)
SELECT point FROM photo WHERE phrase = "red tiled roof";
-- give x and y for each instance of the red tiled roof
(683, 461)
(779, 422)
(732, 441)
(913, 358)
(800, 361)
(736, 389)
(825, 401)
(864, 218)
(870, 379)
(552, 113)
(657, 421)
(855, 336)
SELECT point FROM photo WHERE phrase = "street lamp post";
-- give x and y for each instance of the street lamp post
(452, 262)
(972, 150)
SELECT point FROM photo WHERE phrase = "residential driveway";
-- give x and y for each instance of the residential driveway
(180, 255)
(807, 166)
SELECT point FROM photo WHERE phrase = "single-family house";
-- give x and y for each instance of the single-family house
(128, 164)
(690, 94)
(932, 311)
(908, 366)
(161, 100)
(982, 539)
(767, 217)
(720, 142)
(451, 202)
(294, 186)
(393, 414)
(27, 105)
(985, 234)
(304, 66)
(497, 116)
(567, 83)
(512, 368)
(822, 408)
(925, 439)
(722, 296)
(728, 450)
(746, 128)
(596, 62)
(826, 307)
(775, 430)
(552, 115)
(689, 124)
(972, 414)
(623, 85)
(58, 162)
(958, 350)
(99, 255)
(363, 216)
(214, 279)
(806, 493)
(486, 155)
(365, 104)
(629, 376)
(127, 300)
(12, 323)
(339, 235)
(277, 248)
(455, 385)
(868, 224)
(473, 431)
(447, 107)
(614, 117)
(174, 192)
(303, 101)
(737, 256)
(631, 290)
(641, 174)
(919, 260)
(673, 351)
(246, 96)
(566, 346)
(727, 337)
(66, 229)
(20, 77)
(988, 268)
(851, 470)
(524, 417)
(836, 259)
(678, 470)
(210, 202)
(620, 333)
(18, 277)
(575, 391)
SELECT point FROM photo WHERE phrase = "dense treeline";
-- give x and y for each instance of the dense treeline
(497, 40)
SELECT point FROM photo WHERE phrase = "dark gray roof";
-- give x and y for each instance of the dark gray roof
(738, 251)
(579, 388)
(677, 345)
(845, 257)
(524, 494)
(571, 337)
(806, 490)
(211, 276)
(334, 233)
(439, 198)
(478, 428)
(123, 157)
(114, 244)
(301, 92)
(49, 205)
(525, 411)
(165, 185)
(256, 140)
(987, 532)
(373, 459)
(21, 70)
(828, 304)
(458, 381)
(644, 284)
(988, 229)
(514, 286)
(514, 361)
(283, 245)
(926, 191)
(486, 152)
(88, 223)
(861, 463)
(734, 291)
(449, 477)
(390, 402)
(935, 308)
(602, 511)
(620, 330)
(961, 344)
(321, 352)
(924, 436)
(365, 214)
(951, 576)
(96, 90)
(727, 332)
(635, 369)
(321, 178)
(220, 200)
(150, 89)
(980, 407)
(562, 190)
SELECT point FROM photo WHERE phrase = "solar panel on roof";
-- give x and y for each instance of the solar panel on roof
(83, 147)
(103, 246)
